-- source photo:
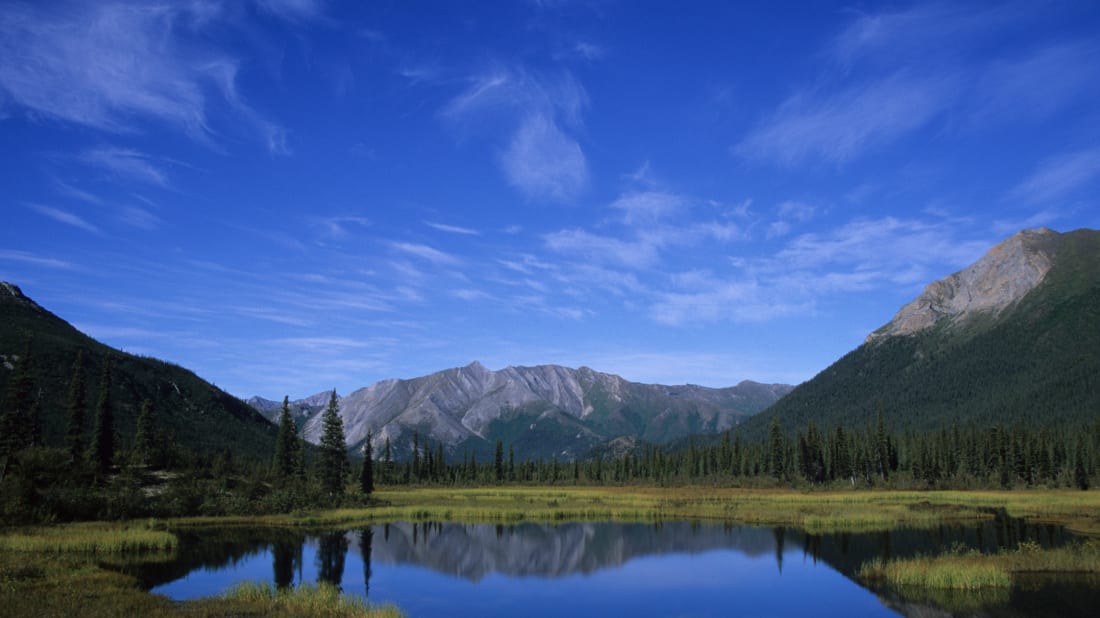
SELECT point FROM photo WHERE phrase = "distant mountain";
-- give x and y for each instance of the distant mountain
(200, 416)
(542, 411)
(1015, 337)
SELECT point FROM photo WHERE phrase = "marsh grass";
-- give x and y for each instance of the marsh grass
(817, 512)
(306, 601)
(91, 538)
(972, 570)
(73, 584)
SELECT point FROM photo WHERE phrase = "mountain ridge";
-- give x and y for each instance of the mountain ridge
(576, 409)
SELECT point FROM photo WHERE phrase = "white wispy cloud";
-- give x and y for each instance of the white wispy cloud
(64, 216)
(292, 10)
(862, 255)
(107, 65)
(36, 260)
(452, 229)
(70, 191)
(126, 162)
(1058, 176)
(841, 126)
(602, 249)
(541, 158)
(544, 162)
(734, 301)
(429, 254)
(645, 207)
(338, 227)
(873, 244)
(138, 217)
(470, 294)
(788, 213)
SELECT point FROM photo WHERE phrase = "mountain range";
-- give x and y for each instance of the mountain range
(1012, 338)
(543, 411)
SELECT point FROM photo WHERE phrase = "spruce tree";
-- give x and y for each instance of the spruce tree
(366, 479)
(143, 435)
(74, 433)
(16, 431)
(334, 457)
(498, 464)
(286, 444)
(103, 438)
(776, 449)
(1080, 473)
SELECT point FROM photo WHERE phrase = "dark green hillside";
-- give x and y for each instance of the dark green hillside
(200, 417)
(1037, 363)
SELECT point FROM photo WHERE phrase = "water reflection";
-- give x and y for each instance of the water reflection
(415, 564)
(332, 549)
(366, 537)
(286, 559)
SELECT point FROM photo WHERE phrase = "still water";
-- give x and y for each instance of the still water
(607, 569)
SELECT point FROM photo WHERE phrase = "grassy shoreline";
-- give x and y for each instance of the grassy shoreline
(813, 511)
(59, 570)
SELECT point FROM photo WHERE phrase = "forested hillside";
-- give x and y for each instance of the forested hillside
(191, 414)
(1037, 364)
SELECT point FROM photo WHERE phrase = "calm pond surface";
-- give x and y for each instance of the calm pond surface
(608, 569)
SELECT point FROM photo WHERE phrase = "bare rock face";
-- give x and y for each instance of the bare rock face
(569, 410)
(994, 283)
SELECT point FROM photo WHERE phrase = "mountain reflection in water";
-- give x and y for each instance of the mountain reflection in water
(521, 560)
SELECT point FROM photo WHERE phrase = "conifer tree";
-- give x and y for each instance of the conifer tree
(334, 458)
(498, 464)
(286, 444)
(16, 432)
(776, 448)
(103, 438)
(1080, 473)
(74, 433)
(511, 462)
(366, 479)
(387, 461)
(143, 435)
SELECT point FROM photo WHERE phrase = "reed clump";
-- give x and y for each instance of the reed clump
(306, 601)
(969, 572)
(974, 571)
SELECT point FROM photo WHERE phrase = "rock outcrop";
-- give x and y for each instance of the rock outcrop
(994, 283)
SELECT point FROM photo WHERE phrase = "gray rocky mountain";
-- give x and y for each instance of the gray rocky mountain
(543, 411)
(997, 281)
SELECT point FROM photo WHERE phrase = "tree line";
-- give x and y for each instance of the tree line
(91, 475)
(958, 457)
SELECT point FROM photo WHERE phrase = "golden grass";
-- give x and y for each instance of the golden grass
(956, 573)
(307, 601)
(73, 584)
(91, 538)
(973, 571)
(816, 511)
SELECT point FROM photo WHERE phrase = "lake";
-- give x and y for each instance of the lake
(602, 569)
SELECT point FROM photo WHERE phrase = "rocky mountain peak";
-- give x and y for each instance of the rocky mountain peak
(11, 293)
(1004, 275)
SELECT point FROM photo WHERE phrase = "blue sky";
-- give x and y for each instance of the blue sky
(288, 196)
